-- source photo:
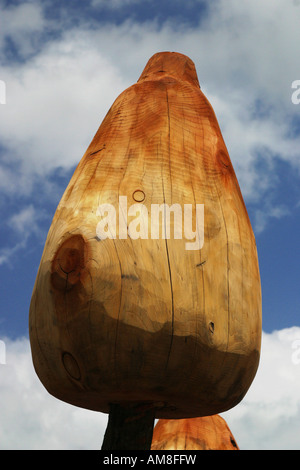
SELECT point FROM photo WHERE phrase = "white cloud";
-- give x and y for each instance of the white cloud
(113, 4)
(19, 23)
(22, 226)
(23, 220)
(55, 104)
(7, 253)
(267, 418)
(33, 419)
(269, 212)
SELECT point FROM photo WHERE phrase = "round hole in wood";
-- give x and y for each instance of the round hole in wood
(71, 365)
(139, 195)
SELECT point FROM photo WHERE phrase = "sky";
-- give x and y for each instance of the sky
(62, 65)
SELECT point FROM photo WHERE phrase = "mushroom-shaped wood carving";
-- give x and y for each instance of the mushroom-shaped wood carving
(204, 433)
(142, 301)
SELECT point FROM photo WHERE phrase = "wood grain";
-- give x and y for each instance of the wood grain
(120, 320)
(205, 433)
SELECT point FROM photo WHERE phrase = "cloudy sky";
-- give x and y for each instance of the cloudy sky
(62, 64)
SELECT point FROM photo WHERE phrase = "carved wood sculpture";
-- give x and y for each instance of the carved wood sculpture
(204, 433)
(136, 325)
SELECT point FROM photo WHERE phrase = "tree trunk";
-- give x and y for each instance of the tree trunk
(130, 427)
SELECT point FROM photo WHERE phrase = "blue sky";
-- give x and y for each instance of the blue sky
(64, 63)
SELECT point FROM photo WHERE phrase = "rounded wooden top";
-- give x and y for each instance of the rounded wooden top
(170, 64)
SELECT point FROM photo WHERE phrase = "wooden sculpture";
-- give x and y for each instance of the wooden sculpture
(205, 433)
(134, 313)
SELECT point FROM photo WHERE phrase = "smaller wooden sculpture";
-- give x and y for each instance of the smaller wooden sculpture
(205, 433)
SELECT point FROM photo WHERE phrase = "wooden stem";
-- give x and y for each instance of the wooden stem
(130, 427)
